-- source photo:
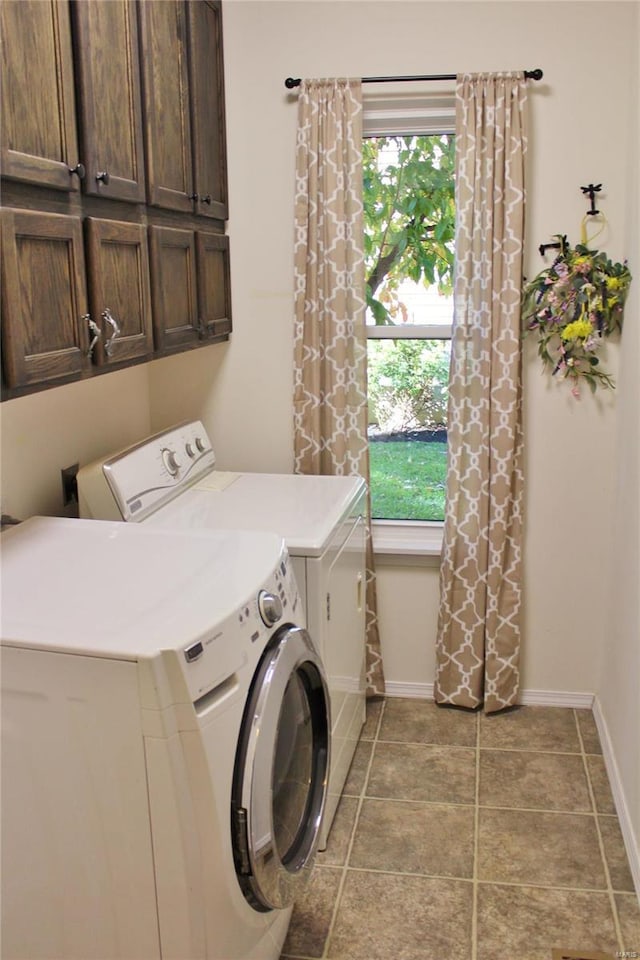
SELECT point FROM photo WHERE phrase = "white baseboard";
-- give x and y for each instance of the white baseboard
(540, 698)
(415, 691)
(562, 698)
(556, 698)
(628, 833)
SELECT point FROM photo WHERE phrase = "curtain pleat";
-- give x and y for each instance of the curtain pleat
(330, 389)
(478, 640)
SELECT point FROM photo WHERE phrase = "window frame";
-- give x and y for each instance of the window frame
(388, 111)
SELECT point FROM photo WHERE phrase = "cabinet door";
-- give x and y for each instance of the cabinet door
(214, 290)
(166, 105)
(110, 99)
(39, 140)
(173, 285)
(44, 302)
(206, 79)
(119, 290)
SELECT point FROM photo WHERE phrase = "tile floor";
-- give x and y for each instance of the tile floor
(469, 837)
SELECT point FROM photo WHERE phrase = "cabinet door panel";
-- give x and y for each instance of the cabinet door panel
(110, 99)
(119, 288)
(44, 299)
(206, 77)
(39, 137)
(214, 285)
(166, 105)
(173, 273)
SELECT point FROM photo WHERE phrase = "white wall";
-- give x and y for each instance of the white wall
(45, 432)
(619, 684)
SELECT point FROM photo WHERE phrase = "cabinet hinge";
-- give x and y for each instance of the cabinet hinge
(328, 606)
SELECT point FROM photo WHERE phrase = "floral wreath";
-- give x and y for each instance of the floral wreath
(571, 306)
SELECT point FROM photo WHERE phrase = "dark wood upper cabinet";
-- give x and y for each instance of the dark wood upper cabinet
(174, 287)
(183, 91)
(106, 34)
(119, 290)
(38, 128)
(114, 186)
(190, 286)
(163, 29)
(214, 283)
(206, 78)
(44, 299)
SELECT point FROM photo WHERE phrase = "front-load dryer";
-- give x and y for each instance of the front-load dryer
(165, 743)
(170, 481)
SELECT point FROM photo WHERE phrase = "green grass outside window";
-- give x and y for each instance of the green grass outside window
(408, 480)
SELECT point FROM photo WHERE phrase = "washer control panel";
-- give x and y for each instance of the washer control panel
(151, 473)
(242, 637)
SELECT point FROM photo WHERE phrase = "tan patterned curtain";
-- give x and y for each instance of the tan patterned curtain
(330, 391)
(478, 640)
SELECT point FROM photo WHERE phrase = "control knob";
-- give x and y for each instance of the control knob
(270, 607)
(171, 462)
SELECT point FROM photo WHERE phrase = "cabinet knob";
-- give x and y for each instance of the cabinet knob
(110, 319)
(103, 176)
(192, 196)
(79, 171)
(205, 199)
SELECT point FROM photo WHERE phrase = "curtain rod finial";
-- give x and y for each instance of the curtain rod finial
(290, 83)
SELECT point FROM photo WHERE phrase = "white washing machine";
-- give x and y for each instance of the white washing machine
(165, 743)
(170, 480)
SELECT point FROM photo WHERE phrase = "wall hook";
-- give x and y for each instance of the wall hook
(591, 191)
(560, 245)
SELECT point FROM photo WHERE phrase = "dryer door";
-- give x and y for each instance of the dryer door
(281, 771)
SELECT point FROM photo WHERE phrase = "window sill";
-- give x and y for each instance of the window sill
(407, 541)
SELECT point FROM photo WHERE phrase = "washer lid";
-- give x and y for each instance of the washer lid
(124, 590)
(305, 510)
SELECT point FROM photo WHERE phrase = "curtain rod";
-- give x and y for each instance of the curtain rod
(536, 74)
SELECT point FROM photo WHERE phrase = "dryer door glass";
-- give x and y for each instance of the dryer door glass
(292, 768)
(281, 771)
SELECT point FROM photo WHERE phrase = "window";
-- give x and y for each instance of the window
(408, 164)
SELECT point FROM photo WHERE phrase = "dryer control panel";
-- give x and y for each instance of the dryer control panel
(139, 480)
